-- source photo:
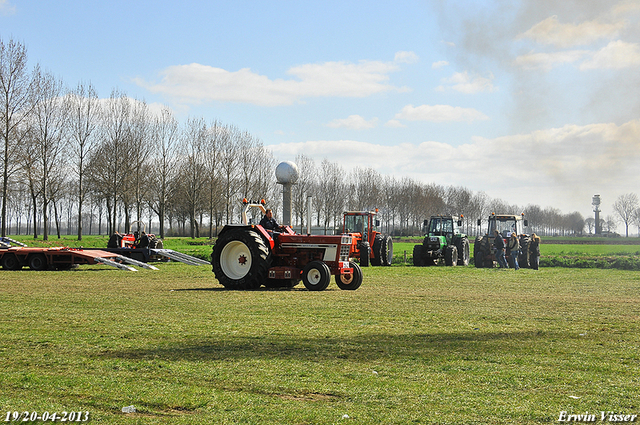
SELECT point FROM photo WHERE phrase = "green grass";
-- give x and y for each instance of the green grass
(412, 345)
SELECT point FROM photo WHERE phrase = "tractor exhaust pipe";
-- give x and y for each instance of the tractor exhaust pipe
(308, 215)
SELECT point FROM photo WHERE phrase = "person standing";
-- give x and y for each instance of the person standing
(498, 244)
(534, 251)
(513, 250)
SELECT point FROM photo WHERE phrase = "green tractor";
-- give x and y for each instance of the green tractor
(443, 240)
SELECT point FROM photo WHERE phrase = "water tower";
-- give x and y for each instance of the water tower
(595, 201)
(287, 175)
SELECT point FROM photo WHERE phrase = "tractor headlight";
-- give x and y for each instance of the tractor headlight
(346, 240)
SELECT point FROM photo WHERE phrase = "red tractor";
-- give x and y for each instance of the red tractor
(367, 244)
(247, 256)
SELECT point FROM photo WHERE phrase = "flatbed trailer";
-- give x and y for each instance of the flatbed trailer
(155, 254)
(62, 258)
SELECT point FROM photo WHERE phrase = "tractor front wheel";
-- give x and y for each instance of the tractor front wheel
(316, 276)
(463, 252)
(418, 256)
(451, 256)
(350, 282)
(365, 253)
(241, 259)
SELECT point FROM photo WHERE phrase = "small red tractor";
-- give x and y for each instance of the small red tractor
(505, 224)
(135, 240)
(367, 244)
(247, 256)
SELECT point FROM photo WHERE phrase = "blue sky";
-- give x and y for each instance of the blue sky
(530, 101)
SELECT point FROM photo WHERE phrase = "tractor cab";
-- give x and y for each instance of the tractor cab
(506, 224)
(445, 226)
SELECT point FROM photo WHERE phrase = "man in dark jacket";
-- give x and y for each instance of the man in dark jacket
(498, 244)
(268, 222)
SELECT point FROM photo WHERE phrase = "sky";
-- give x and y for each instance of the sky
(531, 101)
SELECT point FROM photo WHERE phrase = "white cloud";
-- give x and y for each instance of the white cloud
(354, 122)
(394, 124)
(439, 64)
(6, 8)
(439, 113)
(615, 55)
(197, 83)
(464, 83)
(560, 167)
(546, 61)
(552, 32)
(406, 57)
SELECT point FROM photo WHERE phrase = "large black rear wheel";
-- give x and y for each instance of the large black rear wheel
(377, 251)
(387, 250)
(241, 259)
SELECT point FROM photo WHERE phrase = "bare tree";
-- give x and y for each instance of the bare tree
(193, 172)
(49, 132)
(15, 105)
(590, 222)
(112, 152)
(84, 115)
(625, 206)
(302, 188)
(165, 142)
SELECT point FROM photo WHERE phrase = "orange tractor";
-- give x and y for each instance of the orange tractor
(369, 245)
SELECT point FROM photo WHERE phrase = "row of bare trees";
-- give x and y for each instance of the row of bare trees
(72, 160)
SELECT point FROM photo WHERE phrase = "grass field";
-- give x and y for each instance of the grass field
(413, 345)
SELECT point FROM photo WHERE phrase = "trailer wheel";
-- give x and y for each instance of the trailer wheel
(350, 282)
(387, 250)
(451, 255)
(316, 276)
(10, 262)
(241, 259)
(365, 253)
(38, 262)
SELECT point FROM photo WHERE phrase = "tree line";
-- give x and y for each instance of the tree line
(75, 162)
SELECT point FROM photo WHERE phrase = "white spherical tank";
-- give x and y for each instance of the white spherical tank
(287, 172)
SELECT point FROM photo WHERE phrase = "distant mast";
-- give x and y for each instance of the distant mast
(595, 201)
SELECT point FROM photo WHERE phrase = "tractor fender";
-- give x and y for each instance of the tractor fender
(265, 235)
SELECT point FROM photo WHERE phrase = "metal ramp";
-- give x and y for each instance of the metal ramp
(6, 242)
(178, 256)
